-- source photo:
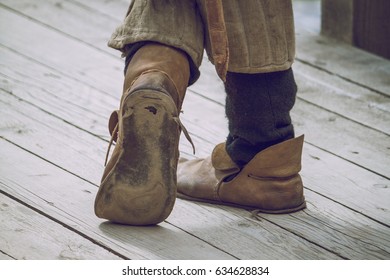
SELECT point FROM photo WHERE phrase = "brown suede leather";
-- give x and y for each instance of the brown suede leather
(269, 182)
(164, 59)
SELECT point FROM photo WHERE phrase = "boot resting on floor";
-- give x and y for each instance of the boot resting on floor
(269, 183)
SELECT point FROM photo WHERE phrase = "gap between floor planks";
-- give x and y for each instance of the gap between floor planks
(331, 144)
(51, 124)
(28, 235)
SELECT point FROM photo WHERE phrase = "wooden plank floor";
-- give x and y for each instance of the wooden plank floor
(59, 83)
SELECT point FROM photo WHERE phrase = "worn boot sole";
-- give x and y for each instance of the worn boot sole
(141, 187)
(250, 208)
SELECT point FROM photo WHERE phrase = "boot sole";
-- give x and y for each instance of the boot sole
(250, 208)
(141, 187)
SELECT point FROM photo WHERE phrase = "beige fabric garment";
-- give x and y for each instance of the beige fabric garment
(260, 32)
(218, 36)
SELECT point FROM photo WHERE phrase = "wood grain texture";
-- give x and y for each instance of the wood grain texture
(205, 226)
(210, 132)
(56, 94)
(70, 200)
(306, 116)
(182, 207)
(351, 64)
(26, 234)
(371, 26)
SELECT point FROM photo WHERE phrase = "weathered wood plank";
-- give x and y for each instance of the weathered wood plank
(240, 227)
(259, 249)
(64, 13)
(367, 157)
(347, 132)
(25, 234)
(51, 136)
(235, 230)
(53, 92)
(77, 27)
(257, 246)
(5, 257)
(346, 184)
(91, 26)
(327, 130)
(42, 91)
(350, 63)
(215, 237)
(69, 199)
(67, 55)
(324, 90)
(346, 99)
(349, 140)
(180, 220)
(95, 169)
(331, 131)
(65, 97)
(346, 233)
(116, 9)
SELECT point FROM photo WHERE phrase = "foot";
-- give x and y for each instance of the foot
(139, 182)
(269, 183)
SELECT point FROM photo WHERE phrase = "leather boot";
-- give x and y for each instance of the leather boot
(269, 183)
(138, 186)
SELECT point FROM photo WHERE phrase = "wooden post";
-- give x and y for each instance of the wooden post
(363, 23)
(337, 18)
(372, 26)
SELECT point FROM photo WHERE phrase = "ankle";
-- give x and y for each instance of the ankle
(155, 80)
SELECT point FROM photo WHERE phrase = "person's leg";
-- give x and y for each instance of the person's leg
(138, 185)
(171, 65)
(173, 23)
(258, 111)
(258, 166)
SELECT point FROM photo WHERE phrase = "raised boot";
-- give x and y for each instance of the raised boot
(138, 185)
(269, 183)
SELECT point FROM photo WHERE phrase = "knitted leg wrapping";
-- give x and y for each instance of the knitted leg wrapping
(258, 111)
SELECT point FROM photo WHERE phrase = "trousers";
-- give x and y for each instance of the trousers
(260, 33)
